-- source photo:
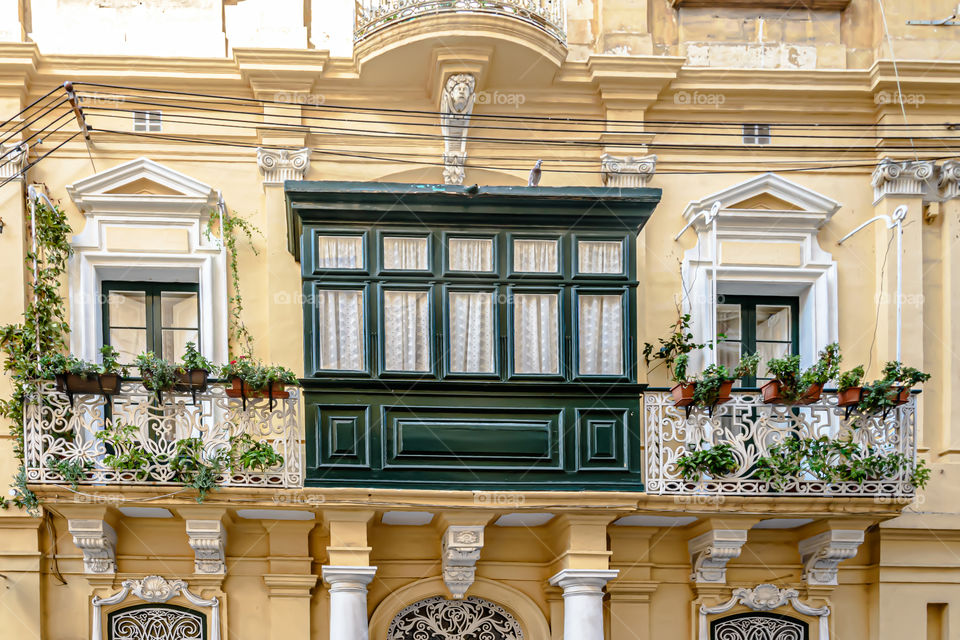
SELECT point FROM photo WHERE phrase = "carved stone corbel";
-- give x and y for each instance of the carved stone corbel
(461, 550)
(822, 554)
(907, 178)
(208, 538)
(456, 106)
(711, 551)
(13, 158)
(98, 542)
(279, 165)
(628, 171)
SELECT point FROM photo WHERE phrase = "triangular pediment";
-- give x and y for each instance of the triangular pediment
(141, 185)
(766, 202)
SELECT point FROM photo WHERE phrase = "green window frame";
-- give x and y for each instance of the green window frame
(748, 341)
(153, 324)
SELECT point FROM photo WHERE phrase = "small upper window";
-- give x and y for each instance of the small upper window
(600, 256)
(470, 254)
(536, 256)
(756, 134)
(405, 253)
(340, 252)
(147, 121)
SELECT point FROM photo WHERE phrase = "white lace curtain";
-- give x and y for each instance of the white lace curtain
(340, 252)
(600, 256)
(405, 253)
(471, 332)
(406, 328)
(601, 334)
(471, 254)
(535, 256)
(341, 329)
(536, 340)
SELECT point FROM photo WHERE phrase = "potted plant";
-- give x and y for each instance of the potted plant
(892, 390)
(158, 374)
(673, 352)
(850, 387)
(716, 382)
(74, 375)
(790, 386)
(124, 451)
(717, 462)
(193, 371)
(247, 453)
(251, 379)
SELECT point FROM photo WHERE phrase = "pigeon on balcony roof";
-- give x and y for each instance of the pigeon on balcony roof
(535, 173)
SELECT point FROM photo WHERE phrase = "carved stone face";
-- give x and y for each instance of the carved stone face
(459, 90)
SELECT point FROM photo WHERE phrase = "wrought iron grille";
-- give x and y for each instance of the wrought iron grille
(752, 428)
(156, 622)
(60, 429)
(440, 619)
(758, 626)
(373, 15)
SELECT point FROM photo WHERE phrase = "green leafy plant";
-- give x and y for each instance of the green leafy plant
(833, 460)
(193, 360)
(717, 462)
(194, 469)
(54, 364)
(158, 374)
(711, 382)
(72, 471)
(673, 351)
(881, 395)
(850, 379)
(124, 451)
(255, 375)
(247, 453)
(234, 226)
(794, 384)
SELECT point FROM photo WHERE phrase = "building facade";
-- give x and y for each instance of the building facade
(477, 448)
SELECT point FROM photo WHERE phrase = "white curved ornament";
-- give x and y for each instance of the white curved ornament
(155, 589)
(440, 619)
(766, 597)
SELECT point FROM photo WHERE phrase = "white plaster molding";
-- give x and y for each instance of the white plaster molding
(456, 106)
(908, 178)
(813, 278)
(627, 171)
(461, 546)
(98, 542)
(13, 158)
(766, 597)
(202, 260)
(711, 551)
(348, 601)
(949, 180)
(208, 538)
(822, 554)
(583, 601)
(280, 165)
(155, 589)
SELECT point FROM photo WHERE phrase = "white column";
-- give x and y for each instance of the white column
(582, 601)
(348, 601)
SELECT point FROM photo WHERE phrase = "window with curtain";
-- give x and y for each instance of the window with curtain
(406, 331)
(339, 252)
(471, 332)
(536, 256)
(405, 253)
(536, 339)
(150, 316)
(768, 325)
(600, 256)
(340, 329)
(470, 254)
(600, 344)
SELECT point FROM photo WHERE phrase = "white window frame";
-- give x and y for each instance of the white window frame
(756, 134)
(150, 121)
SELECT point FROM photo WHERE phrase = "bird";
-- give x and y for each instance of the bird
(535, 173)
(473, 189)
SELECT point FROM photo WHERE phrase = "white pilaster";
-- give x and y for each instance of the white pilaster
(711, 551)
(98, 542)
(627, 171)
(583, 601)
(348, 601)
(279, 165)
(207, 539)
(823, 553)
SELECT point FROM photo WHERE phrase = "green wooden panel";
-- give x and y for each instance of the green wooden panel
(342, 435)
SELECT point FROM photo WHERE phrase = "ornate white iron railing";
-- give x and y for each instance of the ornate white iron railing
(60, 429)
(751, 428)
(372, 15)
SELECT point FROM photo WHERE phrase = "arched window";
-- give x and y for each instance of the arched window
(156, 622)
(440, 619)
(756, 625)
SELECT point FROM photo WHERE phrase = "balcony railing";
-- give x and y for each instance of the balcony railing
(62, 429)
(752, 428)
(373, 15)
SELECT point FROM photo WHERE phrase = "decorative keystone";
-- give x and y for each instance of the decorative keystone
(628, 171)
(461, 550)
(98, 542)
(949, 181)
(711, 551)
(901, 178)
(13, 158)
(279, 165)
(207, 539)
(823, 553)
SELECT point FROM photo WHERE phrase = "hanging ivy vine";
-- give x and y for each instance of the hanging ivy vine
(43, 331)
(234, 228)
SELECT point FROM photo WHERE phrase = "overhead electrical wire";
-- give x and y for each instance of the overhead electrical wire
(35, 162)
(28, 107)
(35, 118)
(44, 131)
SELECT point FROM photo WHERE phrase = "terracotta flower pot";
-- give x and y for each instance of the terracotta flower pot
(107, 384)
(812, 394)
(192, 380)
(724, 394)
(901, 396)
(771, 392)
(683, 394)
(239, 389)
(849, 397)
